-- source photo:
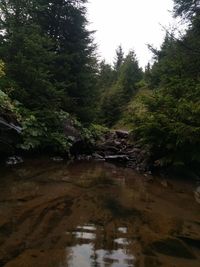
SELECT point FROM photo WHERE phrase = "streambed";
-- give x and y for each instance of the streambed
(87, 213)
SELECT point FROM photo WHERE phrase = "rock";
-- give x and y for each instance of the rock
(14, 160)
(57, 159)
(117, 158)
(97, 156)
(122, 134)
(116, 148)
(9, 126)
(9, 136)
(134, 151)
(71, 132)
(109, 148)
(117, 143)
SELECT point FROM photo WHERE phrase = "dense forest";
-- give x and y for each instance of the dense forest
(50, 75)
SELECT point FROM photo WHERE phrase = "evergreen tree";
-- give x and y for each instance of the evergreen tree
(106, 76)
(130, 74)
(169, 122)
(147, 73)
(49, 54)
(116, 98)
(50, 67)
(119, 59)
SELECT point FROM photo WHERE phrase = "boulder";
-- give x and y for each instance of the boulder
(71, 132)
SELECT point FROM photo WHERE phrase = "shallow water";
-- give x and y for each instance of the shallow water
(84, 214)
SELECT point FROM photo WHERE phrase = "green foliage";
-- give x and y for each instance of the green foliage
(2, 66)
(48, 65)
(135, 106)
(46, 133)
(170, 127)
(5, 102)
(98, 131)
(169, 120)
(7, 106)
(118, 94)
(33, 133)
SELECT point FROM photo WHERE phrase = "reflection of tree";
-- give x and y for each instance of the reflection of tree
(107, 245)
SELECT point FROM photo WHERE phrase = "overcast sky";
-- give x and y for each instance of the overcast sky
(131, 23)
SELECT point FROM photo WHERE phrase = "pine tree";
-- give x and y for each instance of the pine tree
(130, 74)
(119, 59)
(49, 54)
(169, 122)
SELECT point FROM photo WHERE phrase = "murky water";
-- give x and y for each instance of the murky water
(95, 214)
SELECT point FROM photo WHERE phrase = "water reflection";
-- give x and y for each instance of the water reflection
(86, 250)
(95, 214)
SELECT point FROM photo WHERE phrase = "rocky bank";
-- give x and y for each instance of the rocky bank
(117, 146)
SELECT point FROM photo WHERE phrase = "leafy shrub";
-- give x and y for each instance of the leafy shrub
(170, 126)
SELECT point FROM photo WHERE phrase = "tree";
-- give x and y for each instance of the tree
(169, 122)
(119, 59)
(49, 54)
(130, 74)
(105, 76)
(186, 8)
(50, 66)
(117, 96)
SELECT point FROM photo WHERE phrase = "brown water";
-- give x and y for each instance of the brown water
(95, 214)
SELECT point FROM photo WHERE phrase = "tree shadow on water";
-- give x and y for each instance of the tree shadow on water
(118, 210)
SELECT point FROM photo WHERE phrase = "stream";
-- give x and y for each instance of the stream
(89, 213)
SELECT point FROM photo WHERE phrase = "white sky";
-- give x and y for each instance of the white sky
(131, 23)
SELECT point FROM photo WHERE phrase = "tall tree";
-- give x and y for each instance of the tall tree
(49, 53)
(119, 59)
(116, 98)
(169, 122)
(130, 74)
